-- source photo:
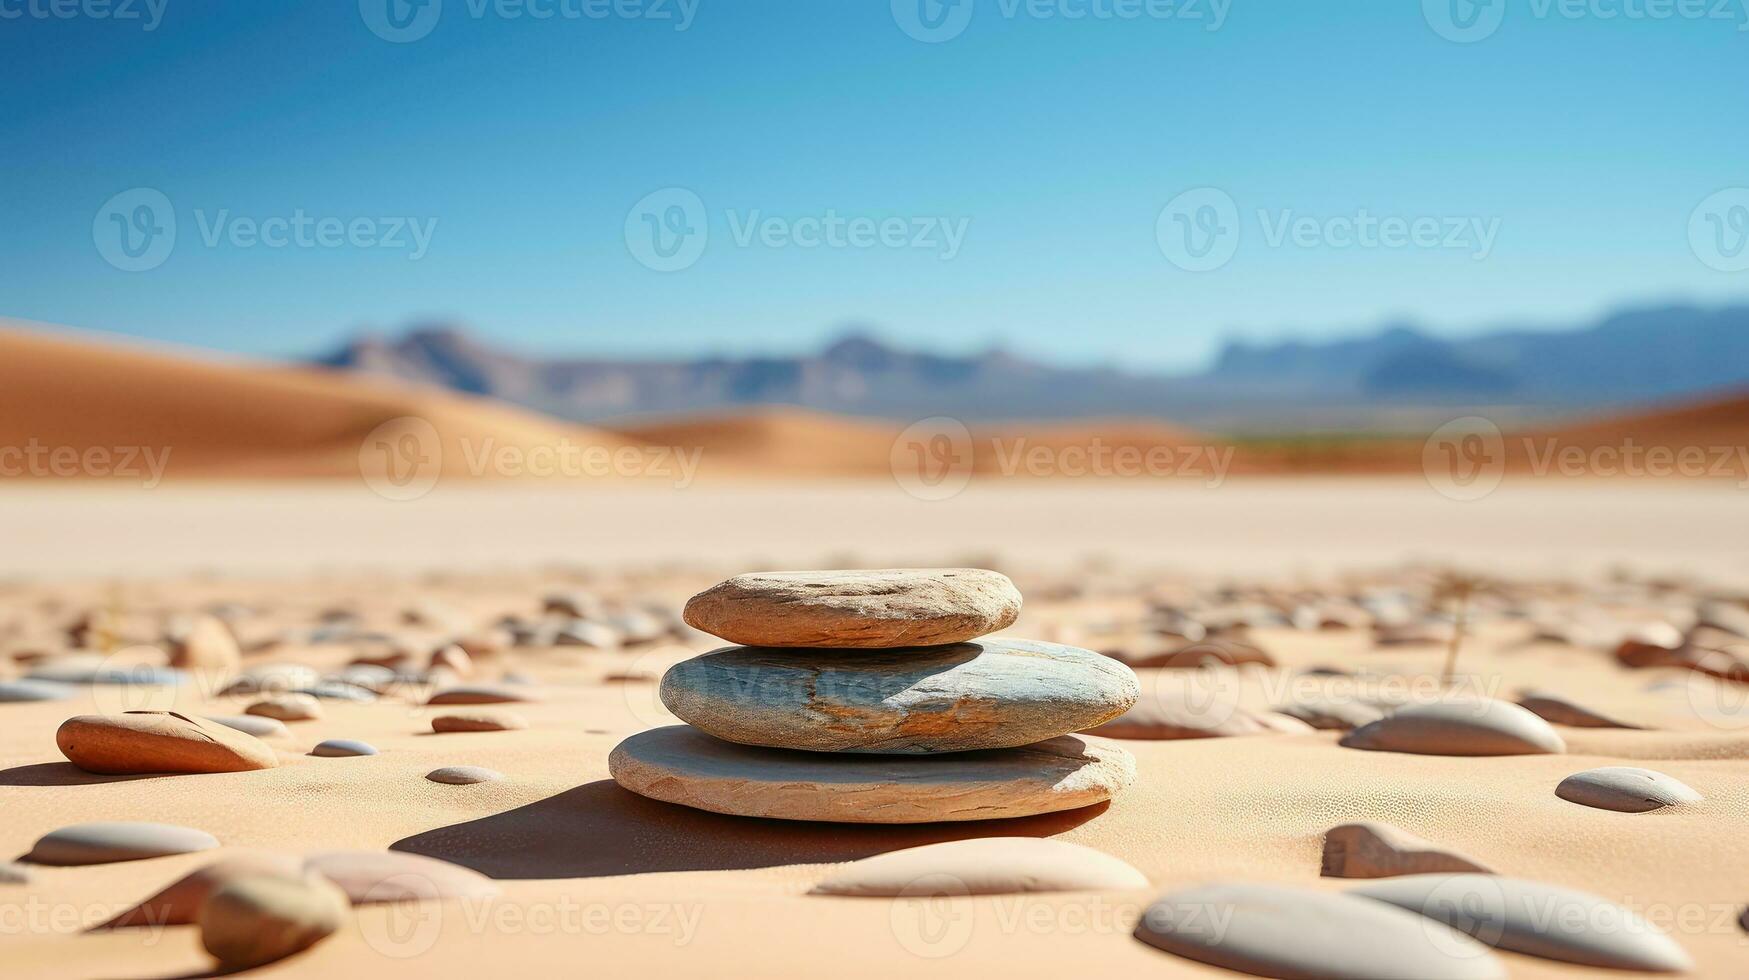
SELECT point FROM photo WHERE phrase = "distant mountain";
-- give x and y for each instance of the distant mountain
(1395, 377)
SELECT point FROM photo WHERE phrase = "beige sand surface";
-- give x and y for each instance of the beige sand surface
(599, 881)
(1269, 527)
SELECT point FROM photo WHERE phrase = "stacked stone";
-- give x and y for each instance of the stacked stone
(869, 697)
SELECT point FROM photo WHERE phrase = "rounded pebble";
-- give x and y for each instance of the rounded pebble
(339, 748)
(464, 775)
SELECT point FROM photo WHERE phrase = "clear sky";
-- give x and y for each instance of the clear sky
(494, 167)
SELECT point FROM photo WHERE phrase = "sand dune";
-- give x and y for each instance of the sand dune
(238, 419)
(1721, 420)
(777, 442)
(195, 417)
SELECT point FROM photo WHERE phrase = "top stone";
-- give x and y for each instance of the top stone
(857, 609)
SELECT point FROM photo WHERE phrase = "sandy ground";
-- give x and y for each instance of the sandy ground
(599, 881)
(1268, 527)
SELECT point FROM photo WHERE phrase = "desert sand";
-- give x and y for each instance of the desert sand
(596, 878)
(350, 562)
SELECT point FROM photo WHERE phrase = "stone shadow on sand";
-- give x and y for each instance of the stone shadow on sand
(601, 829)
(59, 774)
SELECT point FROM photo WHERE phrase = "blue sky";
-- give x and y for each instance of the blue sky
(1004, 184)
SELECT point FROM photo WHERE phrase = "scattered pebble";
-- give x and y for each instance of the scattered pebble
(179, 902)
(1279, 931)
(140, 674)
(261, 919)
(205, 643)
(369, 877)
(337, 690)
(581, 633)
(464, 775)
(1560, 711)
(983, 866)
(1723, 616)
(25, 690)
(255, 725)
(287, 707)
(1216, 651)
(339, 748)
(453, 658)
(107, 842)
(1331, 713)
(1536, 919)
(1479, 726)
(272, 679)
(481, 694)
(159, 741)
(1626, 789)
(1377, 850)
(478, 721)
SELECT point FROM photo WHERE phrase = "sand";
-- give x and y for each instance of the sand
(598, 879)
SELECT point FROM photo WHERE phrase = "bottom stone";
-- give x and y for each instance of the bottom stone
(680, 764)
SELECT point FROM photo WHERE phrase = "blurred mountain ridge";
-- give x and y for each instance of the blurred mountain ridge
(1396, 376)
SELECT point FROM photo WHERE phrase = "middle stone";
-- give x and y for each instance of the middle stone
(985, 694)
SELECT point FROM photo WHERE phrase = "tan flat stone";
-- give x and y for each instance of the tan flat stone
(478, 721)
(878, 609)
(261, 919)
(179, 902)
(984, 866)
(159, 741)
(1477, 726)
(679, 764)
(207, 644)
(1378, 850)
(369, 877)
